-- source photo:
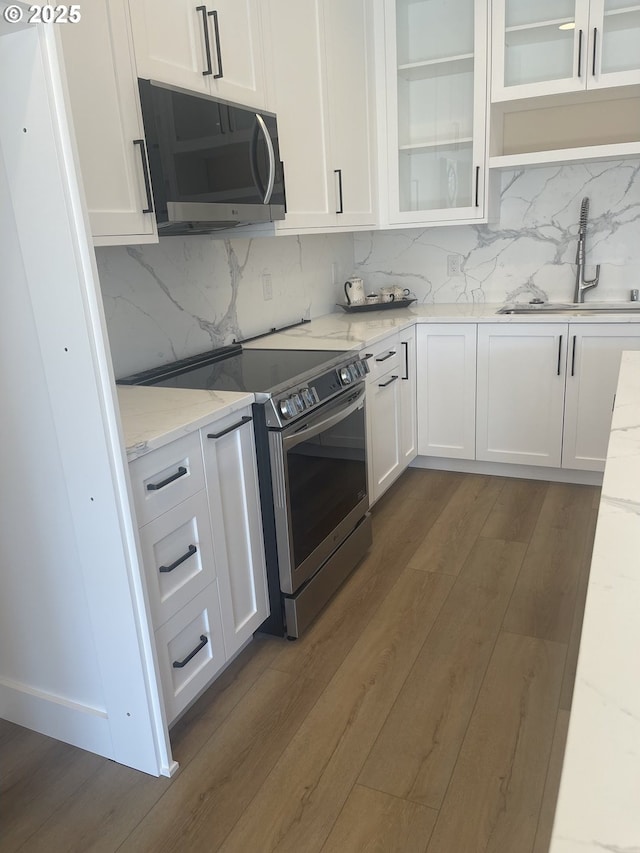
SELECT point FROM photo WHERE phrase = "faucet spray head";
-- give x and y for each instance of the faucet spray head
(584, 215)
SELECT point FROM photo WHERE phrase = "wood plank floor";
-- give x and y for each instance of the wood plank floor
(425, 711)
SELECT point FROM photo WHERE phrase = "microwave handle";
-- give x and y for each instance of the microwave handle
(272, 158)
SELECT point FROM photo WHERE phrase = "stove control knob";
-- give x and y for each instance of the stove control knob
(353, 370)
(345, 376)
(364, 364)
(297, 402)
(307, 398)
(285, 409)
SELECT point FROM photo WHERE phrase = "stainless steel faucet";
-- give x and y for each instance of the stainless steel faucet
(582, 283)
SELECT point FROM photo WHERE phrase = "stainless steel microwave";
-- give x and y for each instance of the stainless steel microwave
(212, 164)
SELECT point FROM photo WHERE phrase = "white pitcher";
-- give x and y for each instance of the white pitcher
(354, 290)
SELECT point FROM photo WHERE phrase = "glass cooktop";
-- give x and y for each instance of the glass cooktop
(237, 369)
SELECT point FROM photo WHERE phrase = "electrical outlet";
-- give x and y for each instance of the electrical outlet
(453, 264)
(267, 287)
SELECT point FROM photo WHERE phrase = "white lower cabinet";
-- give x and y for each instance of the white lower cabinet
(391, 410)
(446, 390)
(232, 484)
(592, 377)
(201, 540)
(520, 393)
(408, 412)
(190, 649)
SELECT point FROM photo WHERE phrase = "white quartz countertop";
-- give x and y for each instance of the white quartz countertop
(152, 417)
(599, 803)
(343, 331)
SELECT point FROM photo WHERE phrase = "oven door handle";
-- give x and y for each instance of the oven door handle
(308, 431)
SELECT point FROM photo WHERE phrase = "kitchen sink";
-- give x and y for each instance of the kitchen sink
(572, 308)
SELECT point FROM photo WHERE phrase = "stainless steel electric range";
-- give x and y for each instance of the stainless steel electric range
(312, 464)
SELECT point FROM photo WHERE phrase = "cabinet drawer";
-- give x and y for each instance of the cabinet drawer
(190, 650)
(165, 477)
(384, 357)
(178, 556)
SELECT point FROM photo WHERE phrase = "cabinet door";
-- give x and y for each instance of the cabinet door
(521, 374)
(613, 58)
(107, 121)
(446, 390)
(299, 90)
(347, 39)
(170, 43)
(236, 47)
(436, 104)
(383, 432)
(232, 485)
(408, 421)
(592, 378)
(539, 48)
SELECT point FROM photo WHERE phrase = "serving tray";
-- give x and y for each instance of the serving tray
(377, 306)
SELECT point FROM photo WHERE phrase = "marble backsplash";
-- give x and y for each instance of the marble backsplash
(186, 295)
(531, 250)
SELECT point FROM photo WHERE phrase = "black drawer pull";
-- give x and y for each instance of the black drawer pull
(385, 357)
(178, 664)
(153, 487)
(207, 43)
(573, 356)
(559, 355)
(367, 356)
(388, 382)
(216, 33)
(192, 550)
(145, 175)
(245, 420)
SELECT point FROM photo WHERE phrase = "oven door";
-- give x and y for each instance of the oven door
(319, 468)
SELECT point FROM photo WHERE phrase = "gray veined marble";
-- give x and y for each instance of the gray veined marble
(187, 294)
(530, 252)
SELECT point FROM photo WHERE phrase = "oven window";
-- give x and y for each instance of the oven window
(327, 478)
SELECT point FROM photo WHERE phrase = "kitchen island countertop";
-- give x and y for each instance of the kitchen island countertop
(599, 802)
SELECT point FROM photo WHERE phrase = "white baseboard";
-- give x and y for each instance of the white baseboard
(503, 469)
(56, 717)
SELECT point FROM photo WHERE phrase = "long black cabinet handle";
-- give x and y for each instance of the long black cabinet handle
(406, 359)
(153, 487)
(145, 174)
(388, 355)
(192, 550)
(207, 43)
(595, 41)
(477, 186)
(245, 420)
(559, 354)
(573, 356)
(216, 32)
(178, 664)
(579, 53)
(338, 172)
(388, 382)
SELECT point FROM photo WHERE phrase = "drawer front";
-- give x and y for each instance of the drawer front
(190, 650)
(385, 357)
(178, 556)
(165, 477)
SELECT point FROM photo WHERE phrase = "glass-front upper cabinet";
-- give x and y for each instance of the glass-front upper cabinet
(436, 66)
(555, 46)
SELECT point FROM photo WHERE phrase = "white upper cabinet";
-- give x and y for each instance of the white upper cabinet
(103, 91)
(214, 48)
(436, 71)
(319, 71)
(555, 46)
